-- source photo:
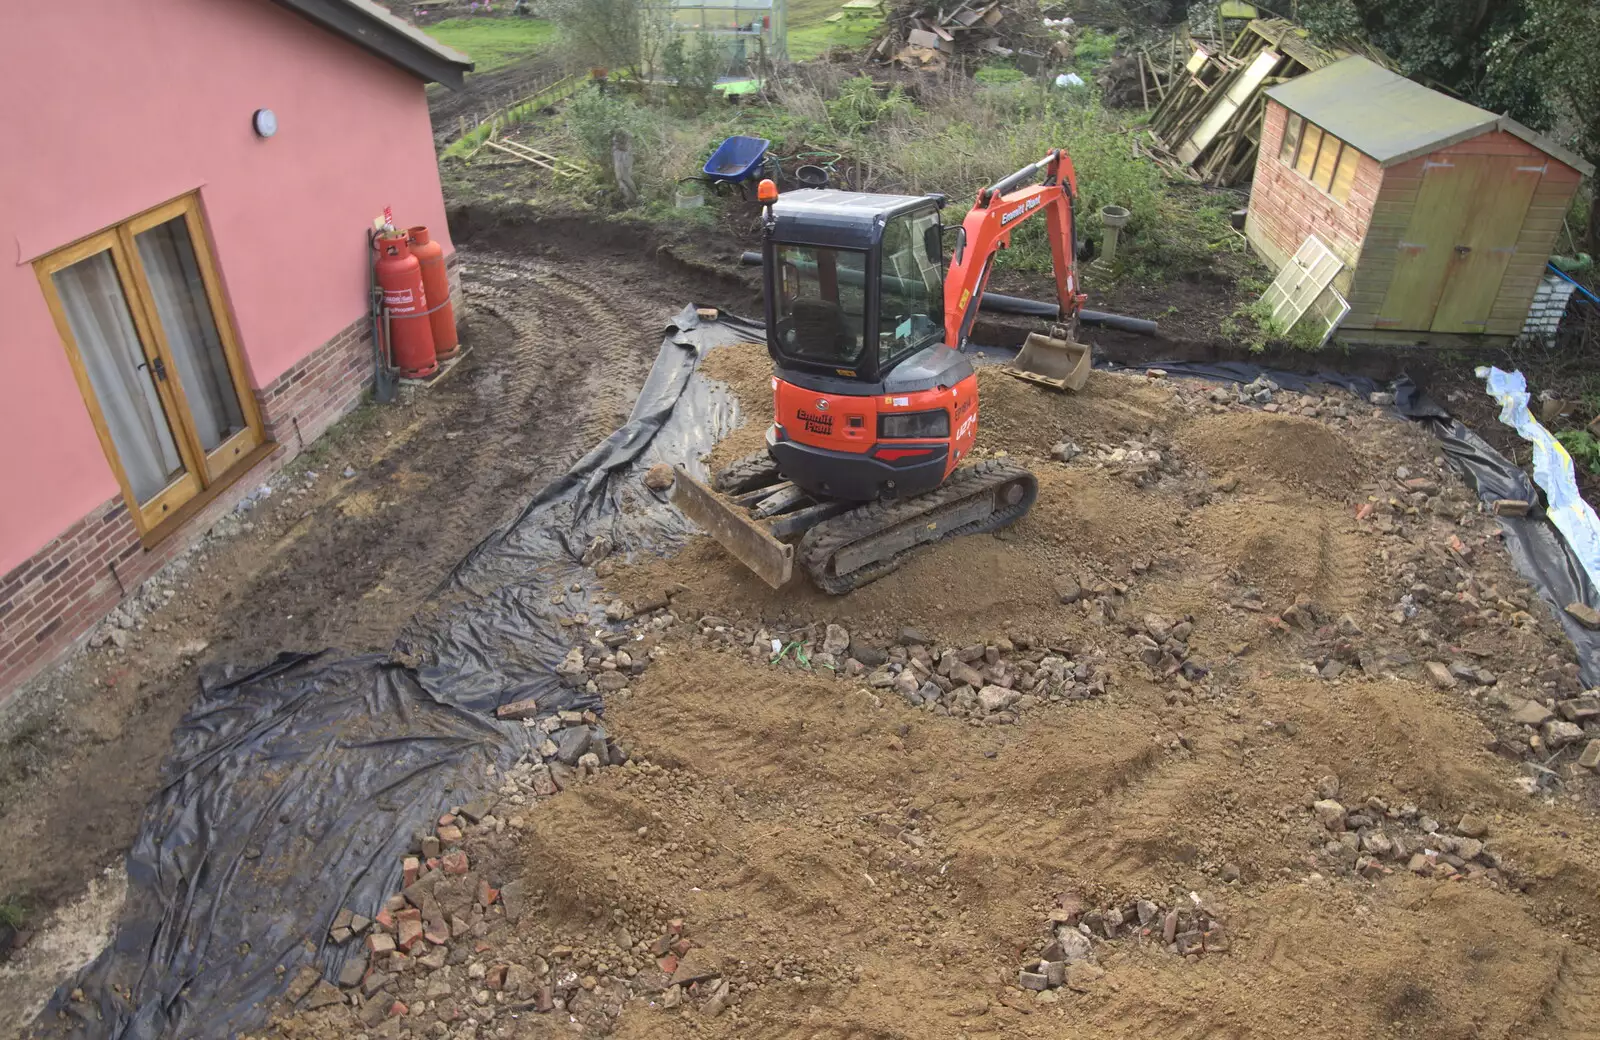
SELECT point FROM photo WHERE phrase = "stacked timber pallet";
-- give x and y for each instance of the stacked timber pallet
(1208, 125)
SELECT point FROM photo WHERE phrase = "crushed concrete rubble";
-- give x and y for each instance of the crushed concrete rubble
(1068, 955)
(1373, 838)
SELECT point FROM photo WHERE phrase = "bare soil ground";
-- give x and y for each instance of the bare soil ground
(558, 347)
(853, 865)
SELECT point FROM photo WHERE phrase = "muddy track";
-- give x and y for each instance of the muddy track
(573, 358)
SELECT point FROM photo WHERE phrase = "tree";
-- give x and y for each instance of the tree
(606, 33)
(1441, 42)
(1560, 46)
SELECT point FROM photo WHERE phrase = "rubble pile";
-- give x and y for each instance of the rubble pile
(1374, 838)
(1162, 646)
(987, 683)
(922, 34)
(1067, 956)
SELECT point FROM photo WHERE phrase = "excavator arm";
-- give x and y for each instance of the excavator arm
(987, 229)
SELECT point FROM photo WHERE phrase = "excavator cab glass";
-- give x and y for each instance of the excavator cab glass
(911, 287)
(822, 304)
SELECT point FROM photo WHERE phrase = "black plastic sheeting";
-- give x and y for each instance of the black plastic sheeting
(293, 791)
(1537, 549)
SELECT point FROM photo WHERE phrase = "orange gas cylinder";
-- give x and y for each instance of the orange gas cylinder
(410, 336)
(436, 283)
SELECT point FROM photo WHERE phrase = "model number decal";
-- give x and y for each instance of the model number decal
(1027, 207)
(816, 422)
(966, 426)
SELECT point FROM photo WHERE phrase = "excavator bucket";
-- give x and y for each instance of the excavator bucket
(750, 541)
(1056, 360)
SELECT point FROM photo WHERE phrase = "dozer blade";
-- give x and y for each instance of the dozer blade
(1055, 361)
(749, 541)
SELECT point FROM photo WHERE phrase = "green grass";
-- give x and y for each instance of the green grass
(494, 42)
(13, 912)
(811, 35)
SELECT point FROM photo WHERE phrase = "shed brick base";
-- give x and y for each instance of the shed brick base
(54, 599)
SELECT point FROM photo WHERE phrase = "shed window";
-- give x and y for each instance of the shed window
(1291, 139)
(1319, 157)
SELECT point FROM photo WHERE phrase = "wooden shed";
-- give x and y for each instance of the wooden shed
(1443, 214)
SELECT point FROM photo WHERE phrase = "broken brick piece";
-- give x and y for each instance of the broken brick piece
(340, 936)
(660, 947)
(450, 835)
(668, 964)
(454, 863)
(526, 708)
(380, 943)
(410, 867)
(682, 947)
(675, 926)
(487, 893)
(398, 1009)
(495, 980)
(447, 819)
(385, 919)
(410, 913)
(410, 934)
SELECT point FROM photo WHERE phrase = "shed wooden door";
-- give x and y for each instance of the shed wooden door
(1484, 247)
(1462, 233)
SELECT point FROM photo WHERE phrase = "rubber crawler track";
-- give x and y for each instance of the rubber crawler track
(823, 542)
(754, 470)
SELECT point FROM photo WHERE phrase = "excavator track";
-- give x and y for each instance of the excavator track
(870, 541)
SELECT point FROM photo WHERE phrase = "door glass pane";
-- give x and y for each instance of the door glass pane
(911, 304)
(185, 315)
(821, 303)
(123, 383)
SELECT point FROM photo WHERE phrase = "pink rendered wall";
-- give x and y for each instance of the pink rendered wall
(118, 106)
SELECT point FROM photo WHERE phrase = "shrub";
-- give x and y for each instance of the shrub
(1093, 47)
(1583, 447)
(607, 33)
(594, 115)
(693, 65)
(859, 106)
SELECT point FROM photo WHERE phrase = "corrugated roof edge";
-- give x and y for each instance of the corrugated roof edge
(374, 29)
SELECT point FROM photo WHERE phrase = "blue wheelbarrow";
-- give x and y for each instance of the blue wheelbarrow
(736, 160)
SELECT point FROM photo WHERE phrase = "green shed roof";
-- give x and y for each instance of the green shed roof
(1393, 119)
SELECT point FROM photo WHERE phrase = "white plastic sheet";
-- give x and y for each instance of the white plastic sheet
(1552, 470)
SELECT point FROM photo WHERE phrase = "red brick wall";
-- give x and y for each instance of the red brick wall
(55, 598)
(1286, 207)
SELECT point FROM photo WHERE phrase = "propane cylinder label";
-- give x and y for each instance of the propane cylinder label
(397, 297)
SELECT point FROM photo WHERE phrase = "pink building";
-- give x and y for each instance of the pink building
(186, 285)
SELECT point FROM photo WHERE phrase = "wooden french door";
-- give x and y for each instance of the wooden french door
(151, 342)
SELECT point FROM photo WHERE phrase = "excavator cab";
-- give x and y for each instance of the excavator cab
(855, 282)
(869, 397)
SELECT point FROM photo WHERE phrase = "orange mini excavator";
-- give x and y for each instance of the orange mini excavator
(876, 405)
